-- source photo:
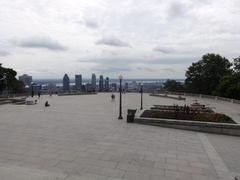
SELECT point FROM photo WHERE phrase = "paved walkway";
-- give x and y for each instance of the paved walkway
(79, 137)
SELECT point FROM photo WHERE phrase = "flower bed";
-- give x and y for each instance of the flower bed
(204, 117)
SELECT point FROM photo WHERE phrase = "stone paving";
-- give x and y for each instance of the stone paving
(80, 137)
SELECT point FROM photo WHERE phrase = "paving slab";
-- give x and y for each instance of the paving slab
(80, 137)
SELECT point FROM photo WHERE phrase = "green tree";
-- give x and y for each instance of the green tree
(11, 83)
(229, 87)
(236, 64)
(204, 76)
(173, 85)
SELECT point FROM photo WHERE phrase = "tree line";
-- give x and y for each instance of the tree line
(212, 75)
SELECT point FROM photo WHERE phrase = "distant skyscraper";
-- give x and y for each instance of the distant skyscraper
(126, 87)
(101, 83)
(66, 83)
(94, 82)
(107, 84)
(26, 79)
(114, 86)
(78, 82)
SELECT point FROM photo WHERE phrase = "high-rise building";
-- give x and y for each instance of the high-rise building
(94, 82)
(78, 82)
(126, 87)
(107, 84)
(101, 83)
(114, 86)
(66, 83)
(26, 79)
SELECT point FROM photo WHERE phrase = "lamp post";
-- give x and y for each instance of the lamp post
(32, 91)
(141, 91)
(120, 97)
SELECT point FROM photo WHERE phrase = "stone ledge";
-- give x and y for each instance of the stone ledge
(218, 128)
(75, 94)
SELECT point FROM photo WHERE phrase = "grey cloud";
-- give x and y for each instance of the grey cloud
(91, 24)
(165, 50)
(110, 61)
(123, 61)
(4, 53)
(177, 9)
(111, 41)
(40, 42)
(173, 60)
(146, 69)
(170, 70)
(111, 69)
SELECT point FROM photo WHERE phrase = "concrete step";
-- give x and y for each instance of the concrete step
(5, 101)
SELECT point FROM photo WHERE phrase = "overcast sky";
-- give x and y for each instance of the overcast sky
(136, 38)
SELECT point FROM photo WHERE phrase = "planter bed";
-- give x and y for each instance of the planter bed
(203, 117)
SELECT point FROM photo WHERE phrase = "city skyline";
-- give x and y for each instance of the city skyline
(139, 39)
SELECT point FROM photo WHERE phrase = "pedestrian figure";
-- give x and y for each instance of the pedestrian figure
(39, 94)
(46, 104)
(113, 97)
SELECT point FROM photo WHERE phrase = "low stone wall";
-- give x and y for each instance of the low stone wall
(75, 94)
(201, 96)
(218, 128)
(171, 97)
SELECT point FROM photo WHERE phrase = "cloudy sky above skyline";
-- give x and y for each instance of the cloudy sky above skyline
(136, 38)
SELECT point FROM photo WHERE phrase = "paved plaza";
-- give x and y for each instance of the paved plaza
(80, 137)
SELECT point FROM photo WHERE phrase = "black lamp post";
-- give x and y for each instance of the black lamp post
(32, 91)
(141, 91)
(120, 98)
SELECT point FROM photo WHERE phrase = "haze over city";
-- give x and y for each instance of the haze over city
(137, 38)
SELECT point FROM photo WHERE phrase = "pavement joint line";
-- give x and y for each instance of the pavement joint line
(218, 164)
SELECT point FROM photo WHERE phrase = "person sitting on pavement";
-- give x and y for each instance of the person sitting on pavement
(46, 104)
(113, 96)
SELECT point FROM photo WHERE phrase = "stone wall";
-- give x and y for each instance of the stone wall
(218, 128)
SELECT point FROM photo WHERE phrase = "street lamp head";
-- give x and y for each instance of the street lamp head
(120, 77)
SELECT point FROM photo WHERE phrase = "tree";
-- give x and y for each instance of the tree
(236, 64)
(172, 85)
(229, 87)
(11, 83)
(204, 76)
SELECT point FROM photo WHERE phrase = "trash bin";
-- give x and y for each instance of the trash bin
(130, 115)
